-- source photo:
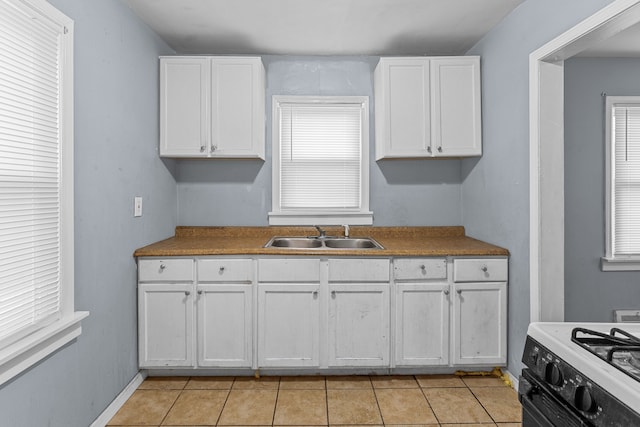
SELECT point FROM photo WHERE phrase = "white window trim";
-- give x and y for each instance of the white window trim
(34, 347)
(360, 217)
(609, 261)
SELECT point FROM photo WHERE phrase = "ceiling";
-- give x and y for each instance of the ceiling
(322, 27)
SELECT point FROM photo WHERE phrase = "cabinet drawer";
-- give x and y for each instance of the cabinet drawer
(419, 268)
(480, 270)
(288, 270)
(165, 270)
(358, 270)
(225, 270)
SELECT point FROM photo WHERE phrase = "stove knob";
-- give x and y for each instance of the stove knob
(553, 375)
(534, 358)
(584, 400)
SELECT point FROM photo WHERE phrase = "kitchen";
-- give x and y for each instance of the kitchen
(115, 57)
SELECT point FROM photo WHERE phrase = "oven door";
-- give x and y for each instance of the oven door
(541, 408)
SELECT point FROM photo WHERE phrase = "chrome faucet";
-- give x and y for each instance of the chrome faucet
(346, 230)
(321, 231)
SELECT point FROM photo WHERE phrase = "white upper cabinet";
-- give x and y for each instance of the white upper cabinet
(428, 107)
(212, 107)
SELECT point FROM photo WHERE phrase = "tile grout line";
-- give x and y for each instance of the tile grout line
(225, 401)
(427, 399)
(174, 402)
(275, 405)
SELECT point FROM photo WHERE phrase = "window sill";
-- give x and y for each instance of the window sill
(31, 349)
(618, 264)
(356, 218)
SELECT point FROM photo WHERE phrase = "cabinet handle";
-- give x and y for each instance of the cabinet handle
(214, 148)
(187, 293)
(446, 291)
(428, 149)
(459, 291)
(439, 149)
(333, 294)
(202, 148)
(162, 267)
(484, 268)
(222, 269)
(199, 291)
(315, 294)
(423, 268)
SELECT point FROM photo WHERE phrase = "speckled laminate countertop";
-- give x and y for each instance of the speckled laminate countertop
(397, 241)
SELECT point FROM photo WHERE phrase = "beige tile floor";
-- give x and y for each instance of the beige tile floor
(417, 401)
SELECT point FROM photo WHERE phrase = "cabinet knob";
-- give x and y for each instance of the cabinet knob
(214, 148)
(202, 148)
(187, 293)
(428, 149)
(446, 291)
(315, 294)
(333, 294)
(222, 269)
(459, 291)
(423, 268)
(199, 291)
(162, 267)
(484, 268)
(439, 149)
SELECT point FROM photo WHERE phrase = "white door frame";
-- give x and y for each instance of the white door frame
(546, 152)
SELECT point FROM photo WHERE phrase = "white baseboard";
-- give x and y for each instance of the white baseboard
(514, 380)
(117, 403)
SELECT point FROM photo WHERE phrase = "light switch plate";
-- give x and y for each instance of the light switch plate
(137, 206)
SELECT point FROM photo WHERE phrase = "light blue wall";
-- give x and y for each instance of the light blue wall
(116, 138)
(495, 190)
(403, 192)
(591, 294)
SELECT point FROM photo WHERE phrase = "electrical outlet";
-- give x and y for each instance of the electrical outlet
(137, 206)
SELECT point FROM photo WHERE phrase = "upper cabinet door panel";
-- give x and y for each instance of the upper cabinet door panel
(455, 94)
(402, 107)
(184, 100)
(237, 119)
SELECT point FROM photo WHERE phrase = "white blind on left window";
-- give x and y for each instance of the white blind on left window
(30, 56)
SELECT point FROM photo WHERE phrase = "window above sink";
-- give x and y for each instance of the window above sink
(320, 160)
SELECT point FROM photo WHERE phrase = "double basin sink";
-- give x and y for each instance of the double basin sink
(323, 243)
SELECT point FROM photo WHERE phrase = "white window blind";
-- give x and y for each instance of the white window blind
(30, 171)
(320, 156)
(626, 180)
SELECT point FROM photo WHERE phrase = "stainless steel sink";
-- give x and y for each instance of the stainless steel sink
(327, 243)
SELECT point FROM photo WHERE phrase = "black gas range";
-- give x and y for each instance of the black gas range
(581, 375)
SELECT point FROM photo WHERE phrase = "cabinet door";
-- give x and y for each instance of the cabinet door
(455, 96)
(480, 322)
(422, 324)
(165, 321)
(358, 324)
(288, 325)
(184, 104)
(402, 108)
(225, 325)
(237, 110)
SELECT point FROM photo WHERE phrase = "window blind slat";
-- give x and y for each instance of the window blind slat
(30, 52)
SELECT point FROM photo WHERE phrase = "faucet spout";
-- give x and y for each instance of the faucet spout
(321, 232)
(346, 230)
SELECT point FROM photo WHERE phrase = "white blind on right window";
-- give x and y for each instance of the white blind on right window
(320, 156)
(626, 176)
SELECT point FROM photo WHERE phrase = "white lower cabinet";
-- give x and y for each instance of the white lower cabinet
(359, 324)
(289, 312)
(225, 325)
(165, 324)
(305, 312)
(288, 325)
(422, 324)
(480, 312)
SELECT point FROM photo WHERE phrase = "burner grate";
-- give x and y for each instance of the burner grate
(617, 348)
